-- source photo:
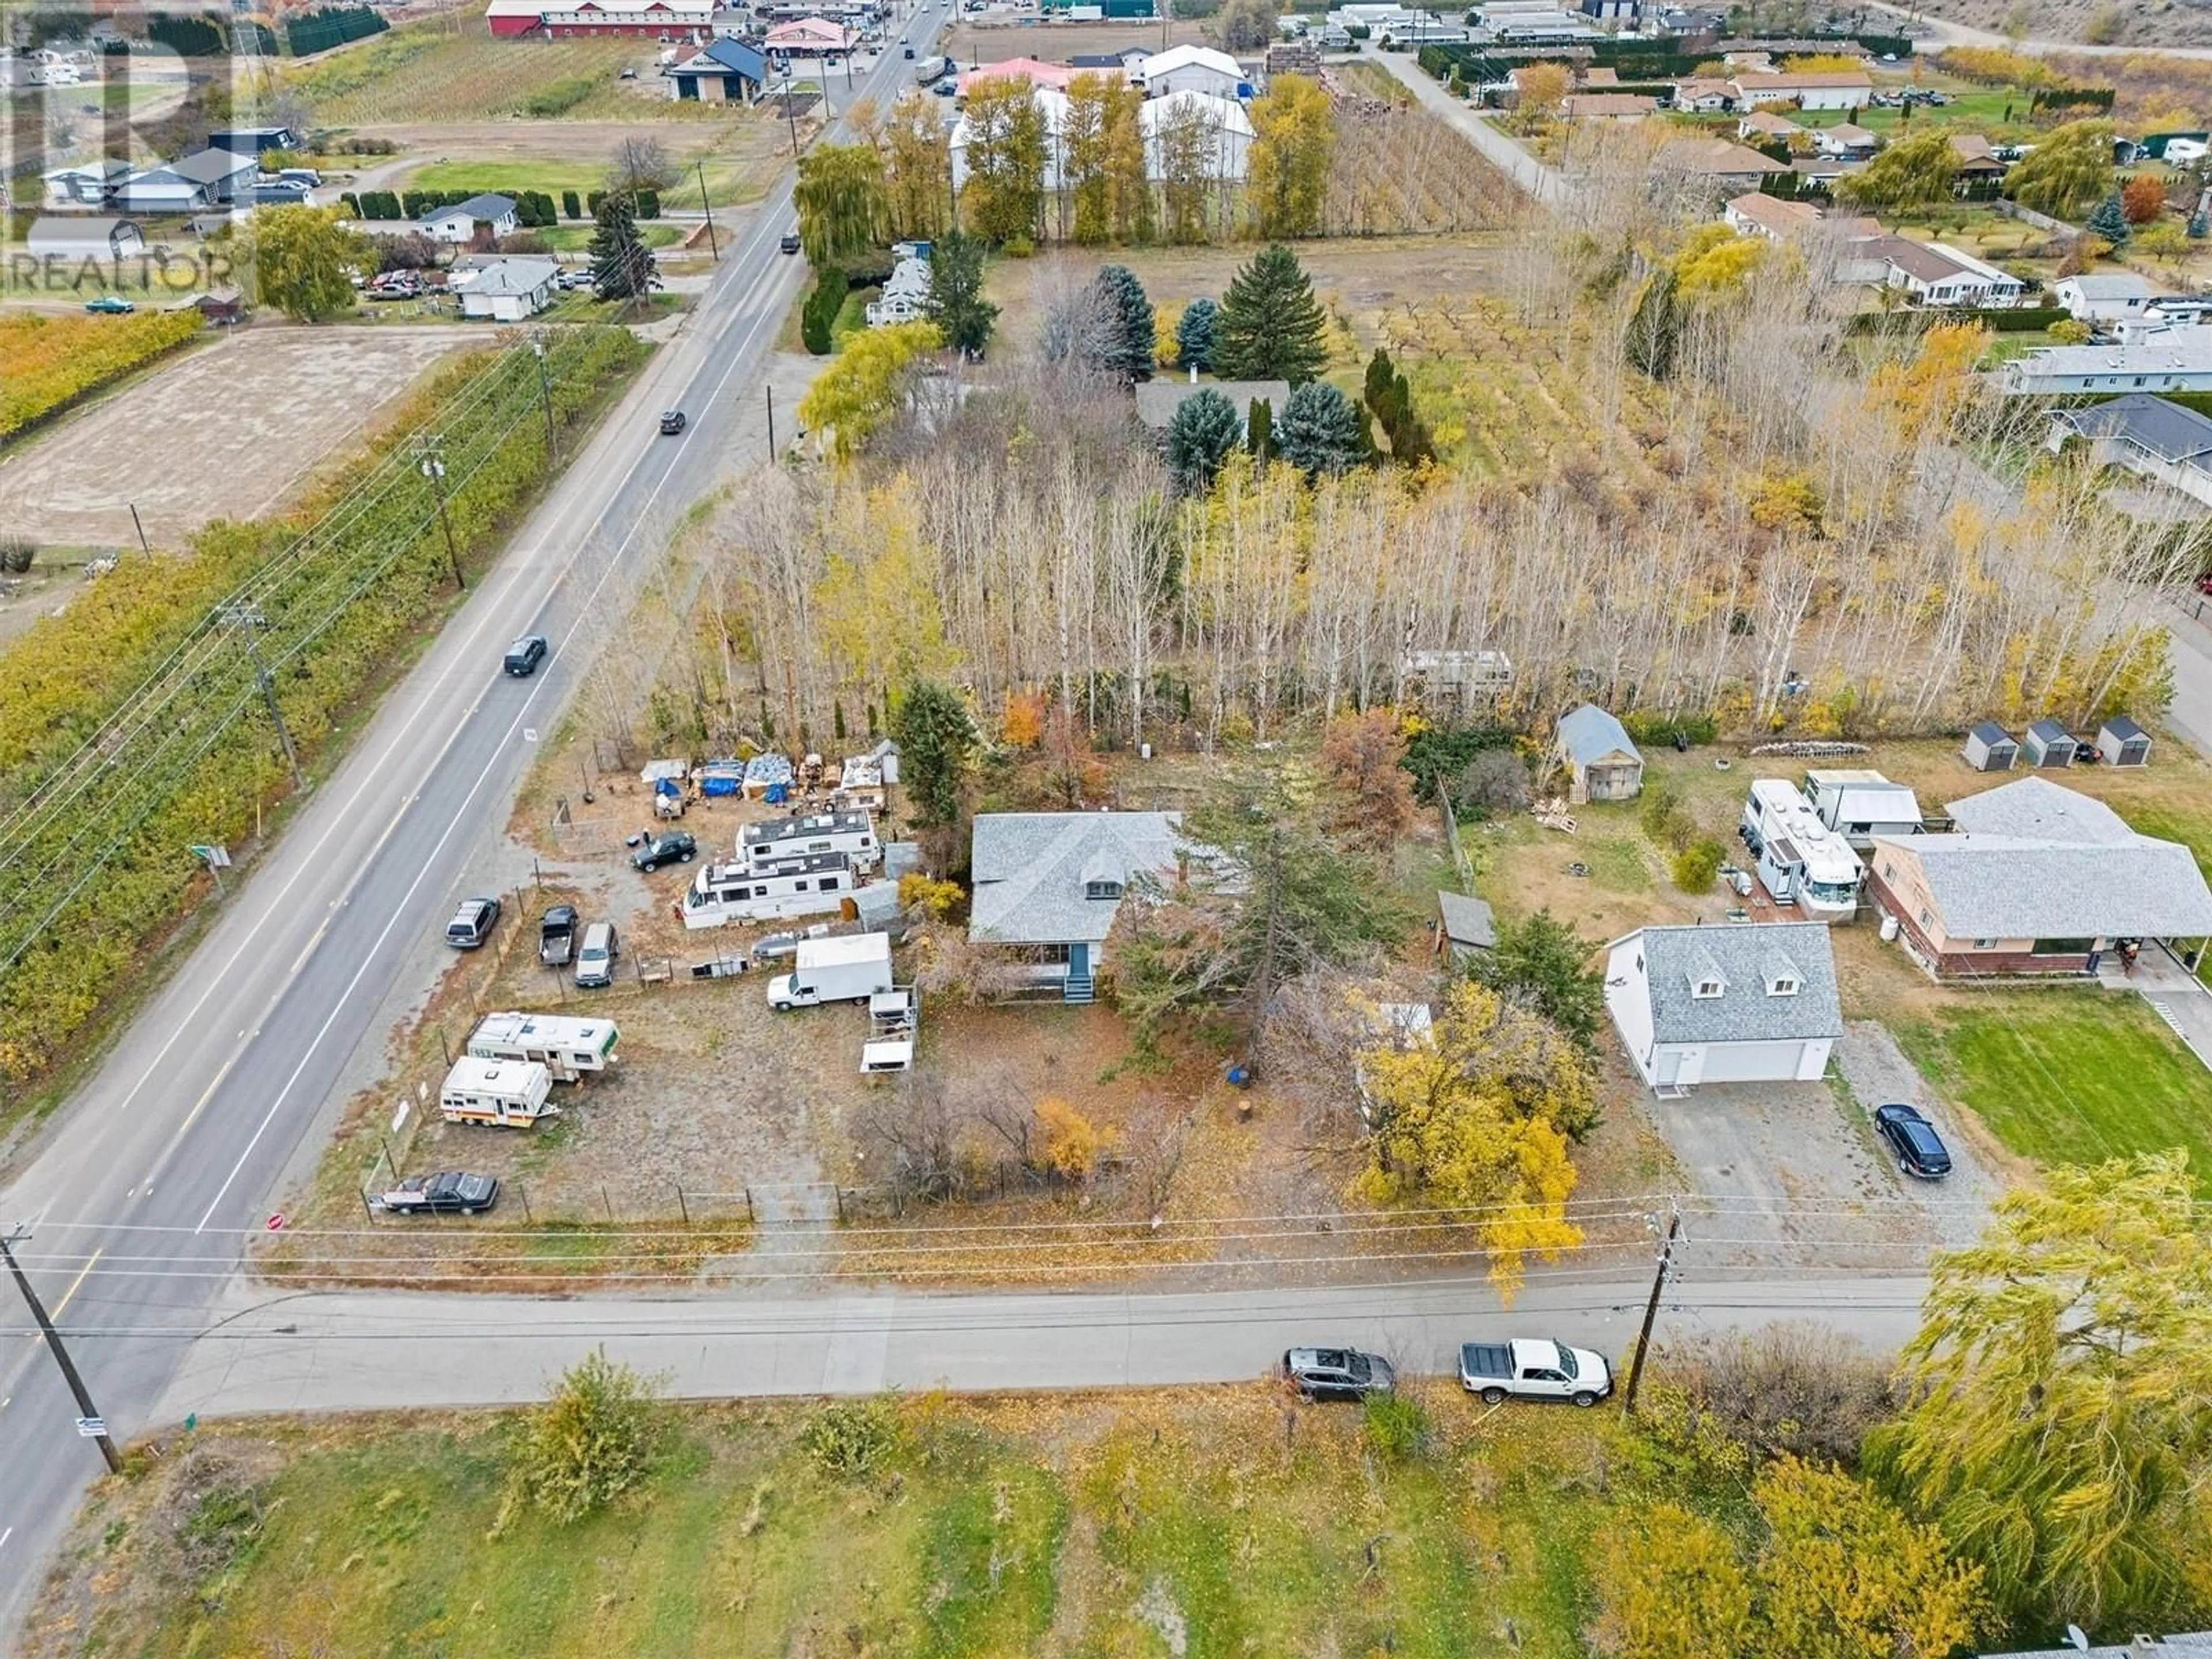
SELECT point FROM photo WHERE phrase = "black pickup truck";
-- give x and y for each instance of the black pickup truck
(556, 936)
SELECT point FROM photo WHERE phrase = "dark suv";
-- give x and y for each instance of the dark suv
(472, 923)
(1337, 1373)
(524, 654)
(676, 846)
(1920, 1151)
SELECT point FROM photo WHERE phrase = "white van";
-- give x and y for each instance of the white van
(595, 958)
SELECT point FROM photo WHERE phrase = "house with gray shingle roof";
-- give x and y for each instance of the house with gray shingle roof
(1047, 885)
(2195, 1645)
(2036, 879)
(1601, 762)
(459, 222)
(1732, 1004)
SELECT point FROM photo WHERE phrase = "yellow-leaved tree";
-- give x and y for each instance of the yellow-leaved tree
(876, 609)
(1930, 389)
(1478, 1114)
(1714, 265)
(859, 392)
(1293, 136)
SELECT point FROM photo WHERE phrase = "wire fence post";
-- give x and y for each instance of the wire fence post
(607, 1200)
(749, 1206)
(523, 1197)
(839, 1193)
(683, 1209)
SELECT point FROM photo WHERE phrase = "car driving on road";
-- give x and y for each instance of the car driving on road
(676, 846)
(524, 654)
(1337, 1373)
(1533, 1370)
(790, 242)
(672, 423)
(449, 1192)
(1920, 1151)
(472, 923)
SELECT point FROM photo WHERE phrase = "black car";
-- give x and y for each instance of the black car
(449, 1192)
(472, 923)
(790, 242)
(1920, 1151)
(676, 846)
(1337, 1373)
(524, 654)
(672, 423)
(556, 935)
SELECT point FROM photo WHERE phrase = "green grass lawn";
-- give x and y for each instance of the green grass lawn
(2070, 1077)
(1982, 109)
(1141, 1523)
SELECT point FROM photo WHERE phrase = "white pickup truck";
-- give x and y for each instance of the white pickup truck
(1533, 1370)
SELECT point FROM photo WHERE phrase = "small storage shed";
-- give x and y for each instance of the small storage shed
(1990, 748)
(1464, 926)
(2121, 741)
(1602, 762)
(2047, 744)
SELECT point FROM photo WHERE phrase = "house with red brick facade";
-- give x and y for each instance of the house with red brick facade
(2036, 879)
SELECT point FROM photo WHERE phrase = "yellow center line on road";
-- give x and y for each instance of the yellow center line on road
(90, 1262)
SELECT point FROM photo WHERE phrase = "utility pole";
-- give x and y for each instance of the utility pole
(250, 620)
(433, 467)
(1651, 1308)
(790, 116)
(770, 391)
(707, 207)
(86, 1413)
(545, 397)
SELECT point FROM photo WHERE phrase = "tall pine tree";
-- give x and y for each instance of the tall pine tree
(956, 302)
(622, 264)
(1127, 348)
(1195, 335)
(1270, 326)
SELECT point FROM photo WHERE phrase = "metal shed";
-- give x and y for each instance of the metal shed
(2121, 741)
(1990, 748)
(2047, 744)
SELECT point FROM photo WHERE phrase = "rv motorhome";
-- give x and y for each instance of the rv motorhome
(565, 1048)
(724, 893)
(1801, 862)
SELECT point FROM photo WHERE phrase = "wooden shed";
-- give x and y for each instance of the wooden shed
(2047, 744)
(1601, 762)
(2121, 741)
(1990, 748)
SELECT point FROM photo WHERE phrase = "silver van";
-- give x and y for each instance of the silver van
(595, 960)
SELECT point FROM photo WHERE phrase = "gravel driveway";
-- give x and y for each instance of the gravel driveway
(1794, 1174)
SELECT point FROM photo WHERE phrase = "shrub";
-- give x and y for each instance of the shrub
(648, 203)
(1397, 1426)
(1494, 784)
(851, 1436)
(1071, 1141)
(938, 899)
(1699, 865)
(1804, 1389)
(570, 207)
(16, 554)
(1660, 812)
(1647, 725)
(593, 1441)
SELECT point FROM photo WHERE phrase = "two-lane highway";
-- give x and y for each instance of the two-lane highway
(240, 1060)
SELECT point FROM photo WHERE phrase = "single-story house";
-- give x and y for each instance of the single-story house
(2166, 360)
(1824, 90)
(1192, 68)
(78, 238)
(2121, 741)
(1846, 141)
(723, 72)
(1606, 107)
(1977, 159)
(1765, 124)
(1602, 761)
(1718, 161)
(505, 288)
(2104, 296)
(1158, 400)
(1935, 275)
(1730, 1004)
(1464, 926)
(2035, 879)
(1047, 885)
(208, 178)
(2150, 436)
(1697, 96)
(89, 184)
(1755, 213)
(458, 223)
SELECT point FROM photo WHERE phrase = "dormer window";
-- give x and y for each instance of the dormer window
(1705, 989)
(1782, 986)
(1102, 889)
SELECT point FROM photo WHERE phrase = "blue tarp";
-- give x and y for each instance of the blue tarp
(720, 777)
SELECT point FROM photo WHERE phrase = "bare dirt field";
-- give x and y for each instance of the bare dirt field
(240, 426)
(994, 40)
(741, 154)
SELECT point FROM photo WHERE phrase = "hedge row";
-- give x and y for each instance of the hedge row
(61, 679)
(2022, 319)
(333, 26)
(534, 208)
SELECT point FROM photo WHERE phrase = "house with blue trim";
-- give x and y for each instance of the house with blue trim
(1046, 887)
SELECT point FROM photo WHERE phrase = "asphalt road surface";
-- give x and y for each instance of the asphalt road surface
(235, 1067)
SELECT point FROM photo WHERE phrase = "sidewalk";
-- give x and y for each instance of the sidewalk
(2175, 995)
(1529, 174)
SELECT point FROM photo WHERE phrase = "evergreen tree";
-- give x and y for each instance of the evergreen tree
(1200, 436)
(956, 302)
(1656, 327)
(2110, 221)
(1195, 335)
(1126, 349)
(622, 264)
(1259, 430)
(936, 736)
(1380, 374)
(1319, 431)
(1271, 327)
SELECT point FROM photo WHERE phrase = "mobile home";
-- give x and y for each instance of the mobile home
(1801, 862)
(507, 1092)
(566, 1048)
(780, 839)
(724, 893)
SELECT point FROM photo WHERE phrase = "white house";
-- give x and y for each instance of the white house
(1936, 275)
(88, 185)
(1757, 213)
(210, 178)
(1832, 89)
(2166, 360)
(80, 238)
(1730, 1004)
(458, 223)
(1191, 69)
(1846, 141)
(905, 297)
(2104, 296)
(1224, 133)
(506, 288)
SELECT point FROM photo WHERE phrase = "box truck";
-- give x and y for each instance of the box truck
(851, 969)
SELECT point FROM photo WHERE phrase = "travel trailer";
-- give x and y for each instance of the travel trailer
(512, 1094)
(781, 840)
(724, 893)
(566, 1048)
(1801, 862)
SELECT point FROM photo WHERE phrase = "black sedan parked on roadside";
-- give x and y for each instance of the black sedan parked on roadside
(449, 1192)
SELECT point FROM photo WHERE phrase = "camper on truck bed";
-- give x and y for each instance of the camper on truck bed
(507, 1093)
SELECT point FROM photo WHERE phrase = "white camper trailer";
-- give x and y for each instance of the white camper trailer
(723, 893)
(779, 841)
(565, 1048)
(1801, 860)
(507, 1092)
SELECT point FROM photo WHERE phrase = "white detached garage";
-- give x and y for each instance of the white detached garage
(1733, 1004)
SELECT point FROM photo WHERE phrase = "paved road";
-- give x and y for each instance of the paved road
(234, 1068)
(328, 1352)
(1532, 176)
